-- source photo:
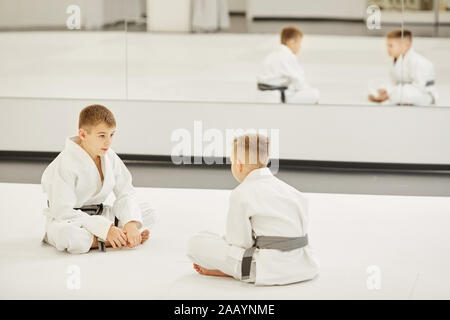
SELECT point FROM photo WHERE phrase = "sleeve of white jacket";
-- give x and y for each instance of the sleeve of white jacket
(392, 85)
(126, 207)
(292, 69)
(62, 199)
(422, 73)
(239, 228)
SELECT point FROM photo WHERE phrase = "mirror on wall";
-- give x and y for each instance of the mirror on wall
(206, 54)
(63, 49)
(221, 50)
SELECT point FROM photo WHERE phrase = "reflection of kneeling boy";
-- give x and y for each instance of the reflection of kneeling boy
(80, 179)
(281, 68)
(412, 74)
(266, 238)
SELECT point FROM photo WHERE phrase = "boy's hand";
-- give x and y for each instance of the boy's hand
(116, 237)
(373, 98)
(132, 233)
(382, 96)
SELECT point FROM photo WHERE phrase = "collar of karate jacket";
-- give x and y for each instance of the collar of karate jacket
(261, 172)
(408, 54)
(70, 141)
(286, 49)
(72, 144)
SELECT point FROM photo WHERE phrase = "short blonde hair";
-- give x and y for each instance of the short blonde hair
(95, 114)
(399, 34)
(252, 149)
(290, 33)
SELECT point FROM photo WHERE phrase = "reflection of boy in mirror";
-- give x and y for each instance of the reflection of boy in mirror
(281, 68)
(412, 75)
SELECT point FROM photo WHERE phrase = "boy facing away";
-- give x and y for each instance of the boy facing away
(80, 179)
(266, 239)
(412, 75)
(281, 68)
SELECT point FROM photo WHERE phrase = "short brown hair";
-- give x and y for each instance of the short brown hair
(290, 33)
(95, 114)
(252, 149)
(398, 34)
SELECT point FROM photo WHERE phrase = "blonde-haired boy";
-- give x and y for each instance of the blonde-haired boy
(281, 68)
(266, 239)
(77, 183)
(412, 75)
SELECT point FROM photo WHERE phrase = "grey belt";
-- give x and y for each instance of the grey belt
(427, 84)
(93, 210)
(270, 242)
(97, 209)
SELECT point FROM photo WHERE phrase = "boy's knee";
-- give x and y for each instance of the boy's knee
(76, 240)
(193, 245)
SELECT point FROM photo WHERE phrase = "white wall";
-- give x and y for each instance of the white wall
(335, 133)
(169, 15)
(237, 5)
(52, 13)
(347, 9)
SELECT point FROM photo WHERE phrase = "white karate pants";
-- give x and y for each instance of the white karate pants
(409, 94)
(304, 96)
(211, 251)
(71, 236)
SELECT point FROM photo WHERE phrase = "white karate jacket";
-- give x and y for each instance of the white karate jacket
(282, 68)
(263, 205)
(72, 180)
(413, 69)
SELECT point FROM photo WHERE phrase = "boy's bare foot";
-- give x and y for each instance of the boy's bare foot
(207, 272)
(145, 235)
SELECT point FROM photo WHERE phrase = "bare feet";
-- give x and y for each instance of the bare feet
(207, 272)
(145, 235)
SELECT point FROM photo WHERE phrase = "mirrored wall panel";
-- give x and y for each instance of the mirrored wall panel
(324, 52)
(63, 48)
(235, 51)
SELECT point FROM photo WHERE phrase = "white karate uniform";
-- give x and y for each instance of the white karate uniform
(72, 181)
(409, 76)
(262, 205)
(281, 68)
